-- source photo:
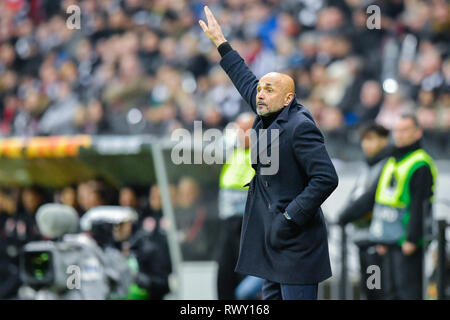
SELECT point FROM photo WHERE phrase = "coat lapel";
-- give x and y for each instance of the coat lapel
(276, 124)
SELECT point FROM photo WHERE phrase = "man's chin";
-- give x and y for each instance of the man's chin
(262, 113)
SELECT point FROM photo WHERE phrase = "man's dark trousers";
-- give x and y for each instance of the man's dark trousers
(277, 291)
(401, 276)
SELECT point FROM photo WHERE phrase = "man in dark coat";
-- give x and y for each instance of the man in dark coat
(284, 236)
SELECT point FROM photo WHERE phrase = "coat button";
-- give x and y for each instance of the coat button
(268, 205)
(266, 183)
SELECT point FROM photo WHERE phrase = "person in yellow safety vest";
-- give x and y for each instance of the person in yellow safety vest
(401, 200)
(236, 172)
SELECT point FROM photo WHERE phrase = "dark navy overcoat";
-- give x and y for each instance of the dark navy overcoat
(272, 247)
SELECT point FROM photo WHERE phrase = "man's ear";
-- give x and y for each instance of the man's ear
(288, 98)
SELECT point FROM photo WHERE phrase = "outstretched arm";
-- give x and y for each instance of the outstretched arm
(242, 77)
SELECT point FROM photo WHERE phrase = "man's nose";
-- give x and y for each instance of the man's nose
(260, 96)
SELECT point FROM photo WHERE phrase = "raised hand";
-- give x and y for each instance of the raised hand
(212, 30)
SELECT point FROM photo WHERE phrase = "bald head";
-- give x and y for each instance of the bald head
(275, 91)
(283, 80)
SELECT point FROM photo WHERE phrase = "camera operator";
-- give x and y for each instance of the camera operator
(148, 257)
(68, 266)
(145, 250)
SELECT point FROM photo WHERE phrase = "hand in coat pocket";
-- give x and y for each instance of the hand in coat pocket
(282, 232)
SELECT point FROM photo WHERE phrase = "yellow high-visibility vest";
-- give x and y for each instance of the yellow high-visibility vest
(238, 170)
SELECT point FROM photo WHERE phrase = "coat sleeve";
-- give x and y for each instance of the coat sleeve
(310, 152)
(242, 77)
(421, 191)
(359, 207)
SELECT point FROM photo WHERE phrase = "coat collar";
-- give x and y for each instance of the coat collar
(276, 124)
(284, 115)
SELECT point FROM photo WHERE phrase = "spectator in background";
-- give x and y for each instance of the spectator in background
(98, 193)
(367, 42)
(236, 173)
(142, 67)
(26, 121)
(426, 111)
(153, 207)
(308, 46)
(92, 119)
(331, 118)
(223, 95)
(429, 63)
(371, 99)
(32, 198)
(9, 106)
(212, 118)
(152, 211)
(9, 246)
(82, 196)
(443, 108)
(58, 118)
(149, 51)
(128, 197)
(374, 142)
(127, 89)
(446, 72)
(196, 230)
(394, 105)
(17, 227)
(68, 196)
(8, 206)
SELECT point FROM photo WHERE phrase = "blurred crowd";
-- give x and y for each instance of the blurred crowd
(196, 222)
(138, 66)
